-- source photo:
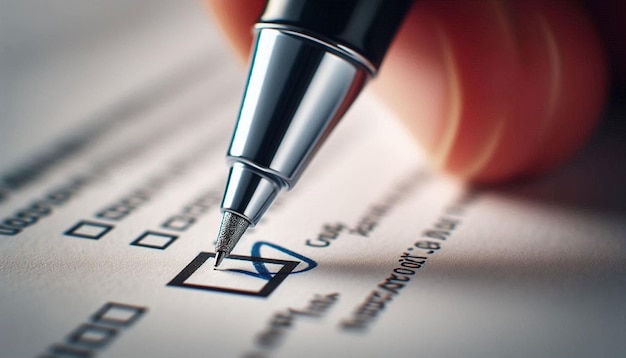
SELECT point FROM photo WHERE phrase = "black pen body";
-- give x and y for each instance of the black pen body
(365, 26)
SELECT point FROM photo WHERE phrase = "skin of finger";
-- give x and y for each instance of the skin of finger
(582, 87)
(466, 51)
(475, 82)
(236, 18)
(510, 97)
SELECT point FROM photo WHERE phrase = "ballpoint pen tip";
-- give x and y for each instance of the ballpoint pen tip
(231, 229)
(219, 257)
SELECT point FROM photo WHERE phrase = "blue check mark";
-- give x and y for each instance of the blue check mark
(261, 270)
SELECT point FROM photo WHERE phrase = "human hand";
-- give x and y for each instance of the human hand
(493, 90)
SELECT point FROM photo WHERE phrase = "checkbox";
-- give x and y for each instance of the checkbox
(240, 275)
(118, 314)
(178, 223)
(154, 240)
(91, 335)
(89, 230)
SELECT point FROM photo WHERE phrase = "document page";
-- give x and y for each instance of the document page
(108, 220)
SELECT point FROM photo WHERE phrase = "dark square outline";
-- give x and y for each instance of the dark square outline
(73, 338)
(99, 316)
(271, 285)
(137, 241)
(70, 231)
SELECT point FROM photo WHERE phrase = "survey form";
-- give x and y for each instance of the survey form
(108, 214)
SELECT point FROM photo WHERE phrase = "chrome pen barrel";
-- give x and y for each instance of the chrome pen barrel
(298, 88)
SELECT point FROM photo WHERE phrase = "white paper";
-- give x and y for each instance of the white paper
(379, 256)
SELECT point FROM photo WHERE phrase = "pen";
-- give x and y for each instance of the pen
(310, 60)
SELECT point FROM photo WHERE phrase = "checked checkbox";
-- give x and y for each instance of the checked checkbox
(200, 275)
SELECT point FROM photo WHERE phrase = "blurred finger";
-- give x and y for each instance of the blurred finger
(236, 17)
(495, 89)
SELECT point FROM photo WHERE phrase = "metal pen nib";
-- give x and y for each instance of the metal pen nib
(219, 257)
(231, 229)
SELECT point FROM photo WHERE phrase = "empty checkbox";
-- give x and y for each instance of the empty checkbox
(118, 314)
(89, 230)
(154, 240)
(91, 335)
